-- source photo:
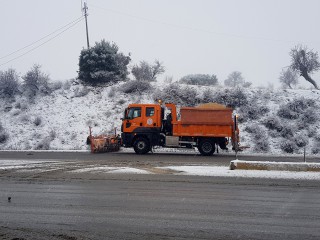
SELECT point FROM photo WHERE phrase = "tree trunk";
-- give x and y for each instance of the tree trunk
(309, 79)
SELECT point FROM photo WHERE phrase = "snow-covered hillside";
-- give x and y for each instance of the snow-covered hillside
(271, 121)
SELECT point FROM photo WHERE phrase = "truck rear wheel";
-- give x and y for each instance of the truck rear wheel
(141, 146)
(206, 147)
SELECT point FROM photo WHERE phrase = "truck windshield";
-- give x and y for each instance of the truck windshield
(134, 112)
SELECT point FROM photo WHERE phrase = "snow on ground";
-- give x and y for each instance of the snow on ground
(207, 170)
(106, 169)
(24, 164)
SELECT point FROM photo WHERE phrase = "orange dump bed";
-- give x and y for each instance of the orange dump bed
(206, 120)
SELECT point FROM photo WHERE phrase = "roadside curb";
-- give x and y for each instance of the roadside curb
(275, 166)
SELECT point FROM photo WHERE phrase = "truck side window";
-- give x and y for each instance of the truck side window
(149, 111)
(134, 113)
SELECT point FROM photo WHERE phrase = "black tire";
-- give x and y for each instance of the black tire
(206, 147)
(141, 146)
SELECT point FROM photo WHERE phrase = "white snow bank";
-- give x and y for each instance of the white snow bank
(217, 171)
(283, 166)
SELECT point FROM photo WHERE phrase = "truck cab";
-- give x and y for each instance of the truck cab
(141, 126)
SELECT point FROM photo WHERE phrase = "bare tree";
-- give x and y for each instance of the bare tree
(234, 79)
(147, 72)
(36, 81)
(305, 61)
(288, 78)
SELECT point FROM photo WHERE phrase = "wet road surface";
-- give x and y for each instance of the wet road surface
(58, 205)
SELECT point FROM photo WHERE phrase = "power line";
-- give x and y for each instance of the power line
(192, 28)
(79, 20)
(29, 45)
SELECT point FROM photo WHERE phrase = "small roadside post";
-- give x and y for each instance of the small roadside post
(236, 135)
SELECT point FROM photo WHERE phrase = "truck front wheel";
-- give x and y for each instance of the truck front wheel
(206, 147)
(141, 146)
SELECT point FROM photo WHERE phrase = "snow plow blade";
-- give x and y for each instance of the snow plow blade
(104, 143)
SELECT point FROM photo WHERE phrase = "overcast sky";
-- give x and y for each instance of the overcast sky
(188, 36)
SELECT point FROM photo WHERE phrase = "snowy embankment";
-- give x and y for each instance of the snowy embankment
(271, 121)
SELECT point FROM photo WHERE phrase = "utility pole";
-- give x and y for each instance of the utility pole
(85, 9)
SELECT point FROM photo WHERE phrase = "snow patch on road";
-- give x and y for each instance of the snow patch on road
(18, 164)
(107, 169)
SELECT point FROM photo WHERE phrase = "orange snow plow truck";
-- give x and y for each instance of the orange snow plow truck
(207, 126)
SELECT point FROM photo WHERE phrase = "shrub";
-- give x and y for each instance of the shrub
(274, 134)
(299, 105)
(307, 118)
(52, 135)
(16, 112)
(44, 144)
(310, 132)
(18, 105)
(260, 137)
(21, 106)
(252, 112)
(316, 148)
(37, 121)
(288, 146)
(301, 140)
(316, 136)
(294, 108)
(121, 101)
(207, 96)
(3, 137)
(25, 118)
(147, 72)
(135, 86)
(73, 136)
(262, 145)
(200, 79)
(285, 112)
(102, 64)
(257, 132)
(66, 85)
(36, 81)
(108, 114)
(174, 93)
(9, 83)
(273, 123)
(81, 92)
(112, 92)
(56, 85)
(234, 97)
(287, 131)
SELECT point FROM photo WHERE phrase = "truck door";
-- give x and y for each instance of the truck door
(151, 117)
(133, 119)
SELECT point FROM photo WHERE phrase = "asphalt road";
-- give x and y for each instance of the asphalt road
(128, 206)
(176, 158)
